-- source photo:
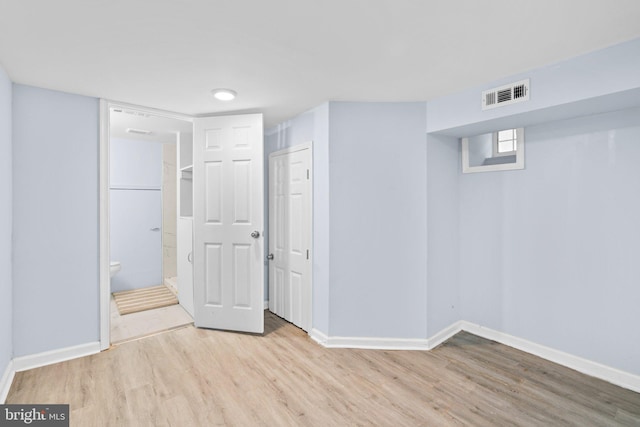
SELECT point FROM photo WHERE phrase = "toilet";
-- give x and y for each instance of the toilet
(114, 268)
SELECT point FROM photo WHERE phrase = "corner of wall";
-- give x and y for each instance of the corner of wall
(443, 227)
(377, 152)
(6, 380)
(6, 234)
(311, 125)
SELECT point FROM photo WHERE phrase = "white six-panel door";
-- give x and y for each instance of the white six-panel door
(228, 223)
(290, 225)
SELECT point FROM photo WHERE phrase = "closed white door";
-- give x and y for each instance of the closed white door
(290, 234)
(228, 223)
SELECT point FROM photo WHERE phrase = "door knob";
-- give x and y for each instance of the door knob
(270, 256)
(255, 234)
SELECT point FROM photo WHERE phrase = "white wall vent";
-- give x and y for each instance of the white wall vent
(506, 95)
(139, 131)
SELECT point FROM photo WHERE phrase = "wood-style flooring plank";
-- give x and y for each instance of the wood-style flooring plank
(198, 377)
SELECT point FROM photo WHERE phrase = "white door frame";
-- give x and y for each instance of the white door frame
(104, 239)
(304, 146)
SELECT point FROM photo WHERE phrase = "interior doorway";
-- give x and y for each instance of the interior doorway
(140, 189)
(215, 217)
(290, 234)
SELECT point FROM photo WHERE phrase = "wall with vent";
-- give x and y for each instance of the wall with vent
(587, 84)
(546, 254)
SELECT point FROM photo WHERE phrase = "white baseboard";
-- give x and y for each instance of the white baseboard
(386, 343)
(378, 343)
(266, 305)
(6, 381)
(32, 361)
(319, 337)
(588, 367)
(445, 334)
(368, 343)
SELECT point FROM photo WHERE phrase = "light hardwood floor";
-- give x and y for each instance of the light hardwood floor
(196, 377)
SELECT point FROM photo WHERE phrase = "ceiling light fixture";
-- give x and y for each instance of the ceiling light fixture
(224, 94)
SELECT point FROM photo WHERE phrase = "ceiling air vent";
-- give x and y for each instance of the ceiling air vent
(139, 131)
(506, 95)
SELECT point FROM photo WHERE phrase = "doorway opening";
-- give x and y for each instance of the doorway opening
(220, 221)
(141, 186)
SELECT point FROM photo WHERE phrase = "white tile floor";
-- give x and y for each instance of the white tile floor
(136, 325)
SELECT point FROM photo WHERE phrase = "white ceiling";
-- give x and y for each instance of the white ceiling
(286, 56)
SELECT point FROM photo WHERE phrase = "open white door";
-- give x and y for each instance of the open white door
(228, 223)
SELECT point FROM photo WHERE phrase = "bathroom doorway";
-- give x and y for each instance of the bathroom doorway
(143, 194)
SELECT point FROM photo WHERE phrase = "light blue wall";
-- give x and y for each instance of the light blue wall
(546, 253)
(6, 297)
(55, 220)
(550, 253)
(443, 233)
(135, 208)
(372, 156)
(138, 249)
(135, 163)
(312, 125)
(378, 216)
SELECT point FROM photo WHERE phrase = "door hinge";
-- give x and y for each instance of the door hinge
(307, 253)
(307, 173)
